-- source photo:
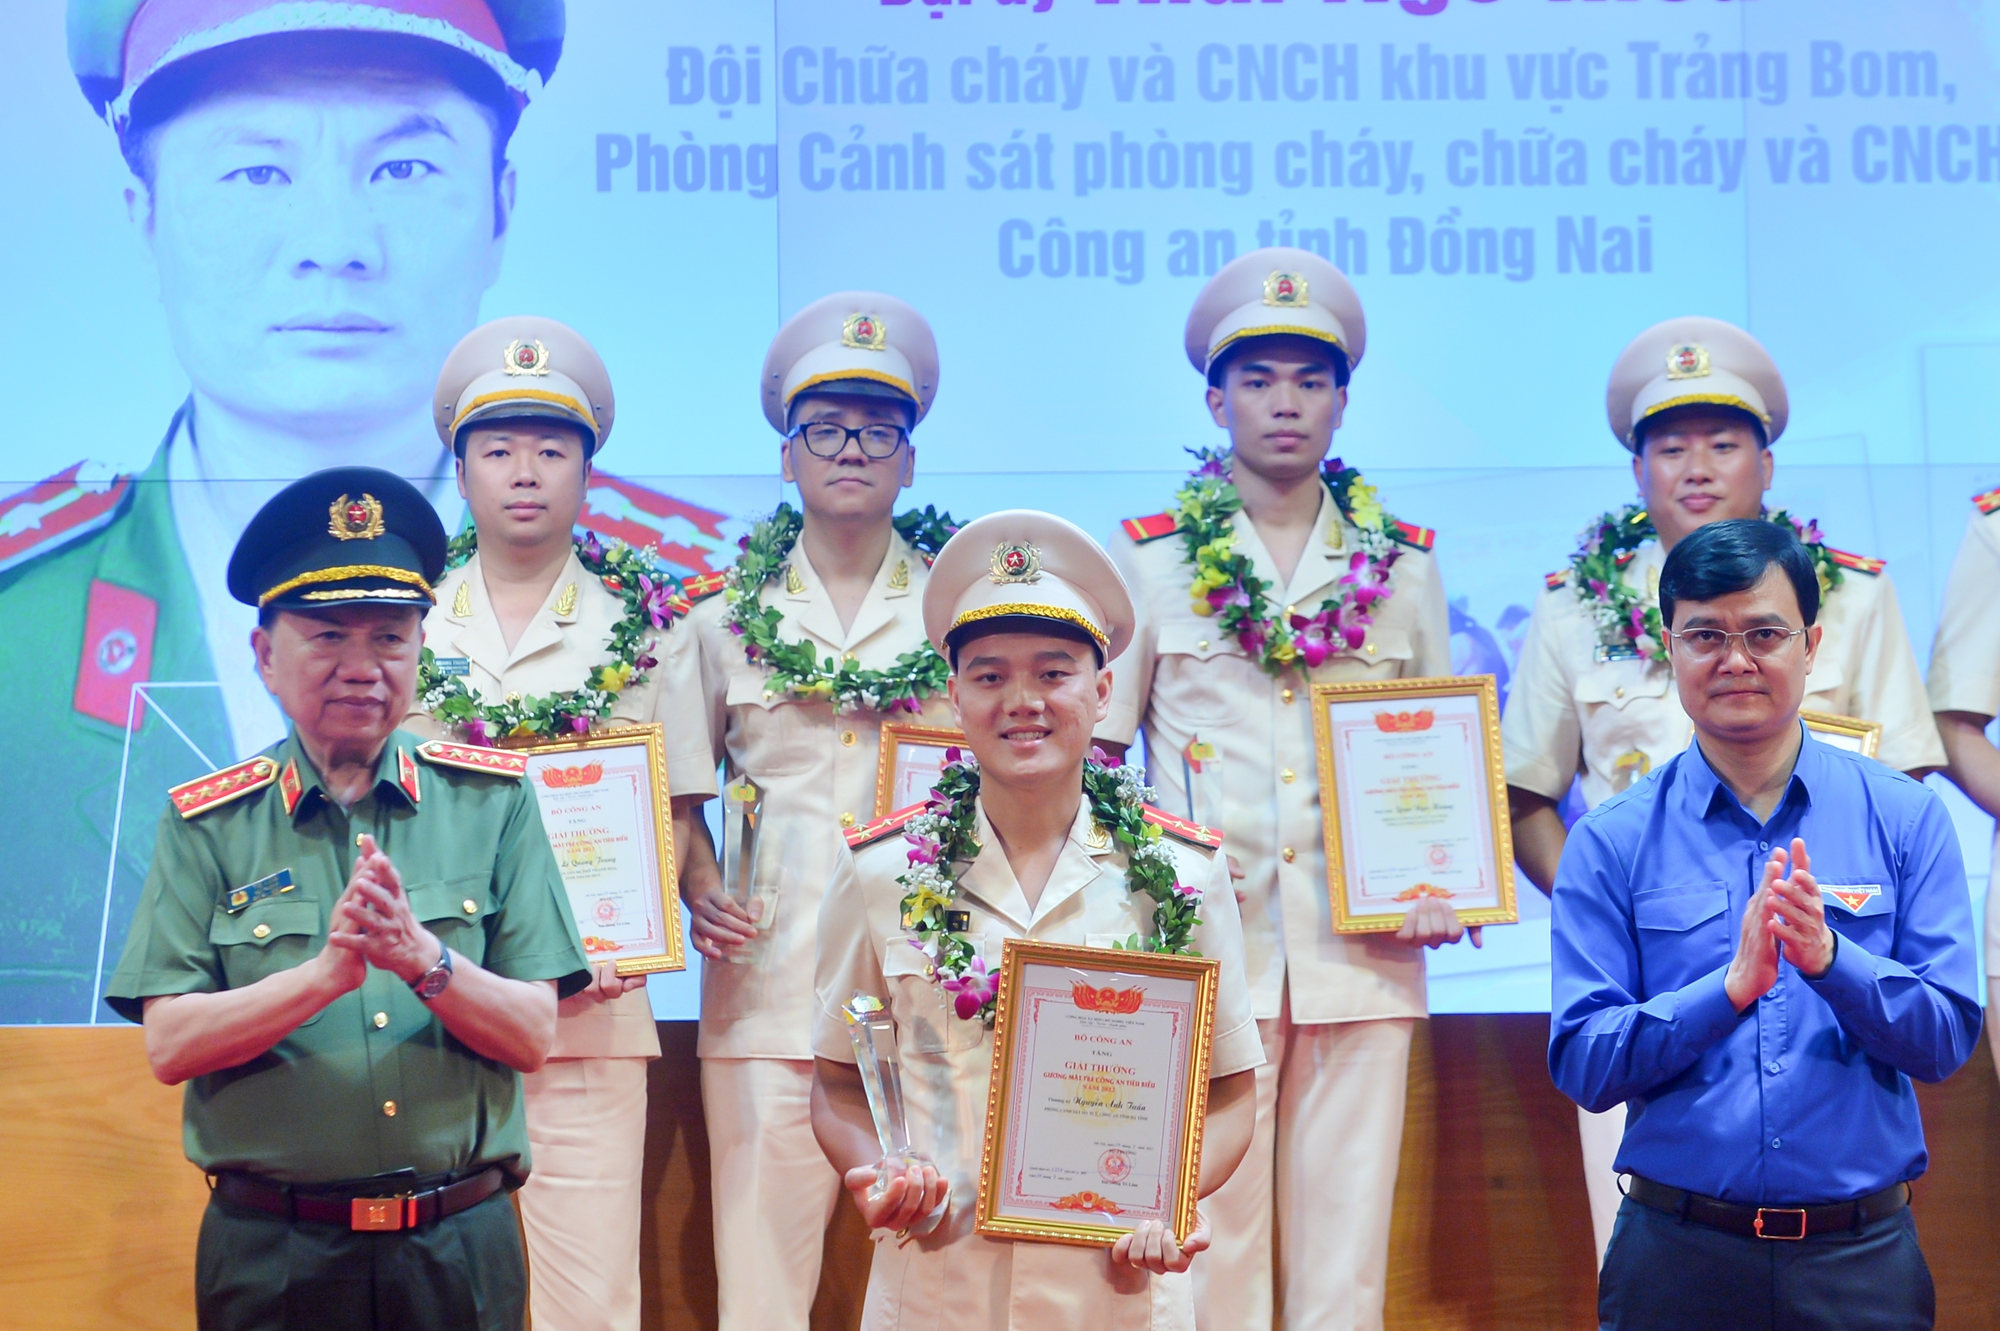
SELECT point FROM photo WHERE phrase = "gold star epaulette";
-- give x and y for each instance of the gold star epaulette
(192, 798)
(857, 837)
(1557, 579)
(1988, 503)
(702, 586)
(1181, 829)
(474, 758)
(1859, 563)
(1151, 527)
(1410, 534)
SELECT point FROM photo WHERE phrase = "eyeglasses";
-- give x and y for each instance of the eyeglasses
(824, 439)
(1708, 644)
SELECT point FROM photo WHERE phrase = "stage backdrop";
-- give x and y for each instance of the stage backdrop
(1515, 186)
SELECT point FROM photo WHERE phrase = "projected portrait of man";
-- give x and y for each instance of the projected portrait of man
(324, 192)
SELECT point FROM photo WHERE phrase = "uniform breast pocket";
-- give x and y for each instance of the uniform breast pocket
(269, 937)
(773, 734)
(455, 909)
(925, 1022)
(1683, 930)
(1863, 912)
(1200, 675)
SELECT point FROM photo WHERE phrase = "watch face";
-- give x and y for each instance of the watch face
(433, 982)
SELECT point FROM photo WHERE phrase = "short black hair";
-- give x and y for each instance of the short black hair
(1723, 558)
(1335, 356)
(1037, 625)
(583, 436)
(1737, 414)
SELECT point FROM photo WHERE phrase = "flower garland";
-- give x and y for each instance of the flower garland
(1628, 619)
(795, 668)
(648, 593)
(941, 844)
(1226, 585)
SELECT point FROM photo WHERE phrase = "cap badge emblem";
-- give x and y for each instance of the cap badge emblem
(1016, 561)
(529, 357)
(864, 332)
(1285, 289)
(355, 519)
(1689, 360)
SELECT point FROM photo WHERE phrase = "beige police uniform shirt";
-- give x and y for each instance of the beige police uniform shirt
(816, 769)
(953, 1279)
(1621, 719)
(1965, 659)
(555, 653)
(1182, 678)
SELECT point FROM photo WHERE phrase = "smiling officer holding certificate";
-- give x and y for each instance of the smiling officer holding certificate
(1023, 841)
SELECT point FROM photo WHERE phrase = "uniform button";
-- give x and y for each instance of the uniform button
(1369, 648)
(1618, 692)
(847, 738)
(1201, 646)
(1285, 695)
(261, 931)
(1771, 1068)
(1291, 610)
(1776, 1143)
(381, 1020)
(1289, 854)
(1288, 776)
(847, 820)
(1763, 845)
(848, 657)
(471, 906)
(388, 1109)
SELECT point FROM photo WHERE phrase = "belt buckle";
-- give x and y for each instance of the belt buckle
(382, 1214)
(1762, 1211)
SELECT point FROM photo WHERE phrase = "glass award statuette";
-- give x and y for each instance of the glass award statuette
(1201, 770)
(873, 1033)
(740, 804)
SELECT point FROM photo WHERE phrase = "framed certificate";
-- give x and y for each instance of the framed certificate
(606, 808)
(910, 760)
(1099, 1092)
(1845, 732)
(1414, 798)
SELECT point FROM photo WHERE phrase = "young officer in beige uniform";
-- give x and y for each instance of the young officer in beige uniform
(1276, 334)
(1965, 689)
(844, 382)
(1699, 403)
(1031, 611)
(523, 632)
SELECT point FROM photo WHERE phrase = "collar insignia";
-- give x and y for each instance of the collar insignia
(899, 576)
(406, 776)
(290, 787)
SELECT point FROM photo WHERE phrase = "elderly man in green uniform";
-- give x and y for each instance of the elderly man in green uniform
(309, 332)
(350, 946)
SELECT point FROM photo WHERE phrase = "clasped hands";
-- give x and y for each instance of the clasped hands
(1786, 917)
(372, 925)
(916, 1188)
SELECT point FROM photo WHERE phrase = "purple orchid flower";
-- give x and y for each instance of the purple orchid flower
(1188, 890)
(1222, 598)
(580, 725)
(1638, 617)
(953, 754)
(592, 548)
(1313, 637)
(646, 661)
(654, 599)
(475, 732)
(1214, 468)
(924, 850)
(1598, 587)
(1101, 758)
(910, 704)
(972, 990)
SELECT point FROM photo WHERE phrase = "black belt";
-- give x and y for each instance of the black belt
(1770, 1222)
(337, 1204)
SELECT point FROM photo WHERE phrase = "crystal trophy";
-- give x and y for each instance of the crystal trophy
(1201, 769)
(873, 1033)
(741, 802)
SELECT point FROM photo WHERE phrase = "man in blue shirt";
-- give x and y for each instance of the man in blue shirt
(1757, 947)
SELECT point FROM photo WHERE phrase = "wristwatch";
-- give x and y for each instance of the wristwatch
(433, 981)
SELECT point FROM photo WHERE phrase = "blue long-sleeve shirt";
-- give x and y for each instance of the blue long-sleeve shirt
(1806, 1096)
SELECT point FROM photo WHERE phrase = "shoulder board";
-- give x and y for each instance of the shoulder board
(684, 535)
(702, 586)
(196, 797)
(857, 837)
(1151, 527)
(473, 758)
(1180, 828)
(1560, 578)
(50, 514)
(1417, 538)
(1988, 503)
(1859, 563)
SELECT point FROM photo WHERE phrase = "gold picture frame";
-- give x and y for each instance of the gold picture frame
(888, 761)
(1106, 1006)
(671, 955)
(1845, 732)
(1489, 769)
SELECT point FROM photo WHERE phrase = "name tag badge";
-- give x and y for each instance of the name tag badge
(1854, 896)
(453, 665)
(1624, 651)
(275, 885)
